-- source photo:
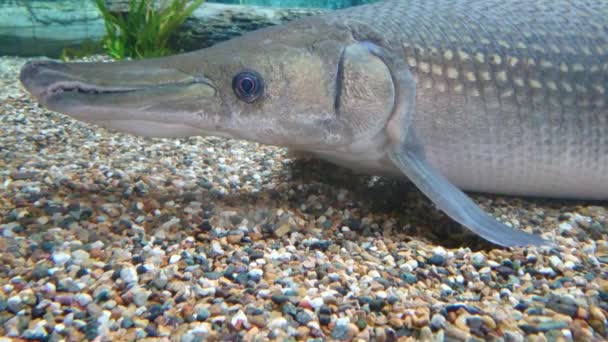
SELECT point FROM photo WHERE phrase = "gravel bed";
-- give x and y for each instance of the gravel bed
(111, 237)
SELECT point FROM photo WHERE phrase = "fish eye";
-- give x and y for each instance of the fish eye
(248, 86)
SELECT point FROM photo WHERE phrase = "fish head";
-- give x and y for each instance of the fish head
(308, 85)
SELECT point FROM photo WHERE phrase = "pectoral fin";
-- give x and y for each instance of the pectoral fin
(408, 155)
(455, 203)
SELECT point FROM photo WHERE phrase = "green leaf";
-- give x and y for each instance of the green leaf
(144, 31)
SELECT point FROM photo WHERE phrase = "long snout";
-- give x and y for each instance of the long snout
(148, 97)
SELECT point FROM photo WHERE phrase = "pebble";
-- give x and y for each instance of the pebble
(239, 320)
(60, 258)
(438, 322)
(277, 323)
(83, 299)
(80, 255)
(140, 296)
(129, 275)
(175, 258)
(14, 304)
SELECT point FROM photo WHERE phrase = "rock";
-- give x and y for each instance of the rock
(198, 333)
(563, 304)
(83, 299)
(37, 333)
(14, 304)
(304, 316)
(60, 258)
(438, 321)
(239, 320)
(437, 260)
(344, 332)
(175, 258)
(129, 274)
(202, 314)
(28, 297)
(80, 255)
(279, 323)
(140, 296)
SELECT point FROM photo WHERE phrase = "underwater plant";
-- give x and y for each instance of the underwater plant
(144, 31)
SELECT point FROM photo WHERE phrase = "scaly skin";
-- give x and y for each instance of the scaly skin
(511, 96)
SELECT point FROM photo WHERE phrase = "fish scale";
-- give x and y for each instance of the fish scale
(510, 95)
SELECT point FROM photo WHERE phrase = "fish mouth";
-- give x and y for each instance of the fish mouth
(142, 93)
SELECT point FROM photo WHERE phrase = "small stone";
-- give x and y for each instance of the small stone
(304, 316)
(80, 255)
(60, 258)
(239, 320)
(556, 262)
(175, 258)
(255, 274)
(279, 298)
(129, 274)
(282, 230)
(564, 305)
(140, 296)
(202, 314)
(161, 280)
(37, 333)
(437, 260)
(28, 297)
(216, 248)
(83, 299)
(277, 323)
(235, 237)
(597, 314)
(14, 304)
(198, 333)
(344, 332)
(478, 259)
(438, 321)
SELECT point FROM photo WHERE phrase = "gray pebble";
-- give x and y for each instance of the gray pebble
(14, 304)
(60, 258)
(83, 299)
(129, 274)
(438, 321)
(140, 296)
(38, 333)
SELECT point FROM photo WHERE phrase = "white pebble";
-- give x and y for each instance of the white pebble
(217, 248)
(556, 262)
(440, 251)
(175, 258)
(317, 302)
(277, 323)
(60, 258)
(80, 255)
(129, 275)
(239, 317)
(564, 227)
(140, 296)
(83, 299)
(342, 321)
(207, 292)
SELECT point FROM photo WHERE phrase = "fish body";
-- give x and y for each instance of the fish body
(491, 96)
(511, 96)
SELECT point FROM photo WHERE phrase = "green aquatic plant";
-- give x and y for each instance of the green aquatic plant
(144, 30)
